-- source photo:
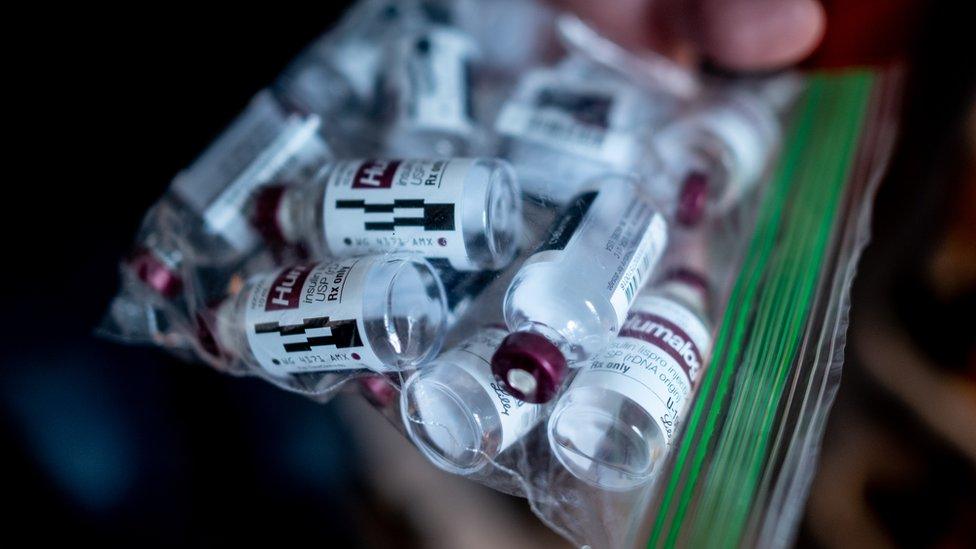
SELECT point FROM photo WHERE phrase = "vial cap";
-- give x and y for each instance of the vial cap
(692, 199)
(378, 390)
(155, 273)
(690, 277)
(264, 214)
(529, 366)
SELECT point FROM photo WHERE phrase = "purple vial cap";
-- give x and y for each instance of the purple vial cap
(155, 273)
(690, 278)
(264, 214)
(529, 366)
(692, 199)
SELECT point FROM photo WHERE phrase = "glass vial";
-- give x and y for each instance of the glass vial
(615, 422)
(457, 414)
(465, 211)
(431, 88)
(717, 153)
(570, 297)
(565, 126)
(380, 313)
(202, 219)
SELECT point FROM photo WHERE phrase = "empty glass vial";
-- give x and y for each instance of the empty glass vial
(465, 211)
(346, 63)
(564, 126)
(381, 313)
(202, 221)
(431, 88)
(570, 297)
(615, 422)
(716, 154)
(455, 411)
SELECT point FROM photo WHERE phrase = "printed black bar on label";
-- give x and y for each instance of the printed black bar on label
(586, 108)
(409, 203)
(409, 221)
(344, 333)
(378, 208)
(310, 323)
(439, 217)
(436, 217)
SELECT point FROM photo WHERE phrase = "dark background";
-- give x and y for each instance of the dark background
(108, 443)
(114, 444)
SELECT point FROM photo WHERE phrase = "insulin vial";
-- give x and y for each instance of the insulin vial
(431, 85)
(381, 313)
(455, 411)
(717, 153)
(464, 211)
(561, 129)
(570, 297)
(206, 204)
(615, 422)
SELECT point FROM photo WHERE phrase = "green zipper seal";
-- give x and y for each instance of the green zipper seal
(708, 504)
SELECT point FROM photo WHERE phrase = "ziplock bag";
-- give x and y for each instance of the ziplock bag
(594, 280)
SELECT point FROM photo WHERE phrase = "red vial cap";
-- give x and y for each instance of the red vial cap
(264, 214)
(692, 199)
(378, 390)
(155, 273)
(529, 366)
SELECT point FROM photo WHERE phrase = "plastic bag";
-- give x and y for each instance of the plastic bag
(627, 303)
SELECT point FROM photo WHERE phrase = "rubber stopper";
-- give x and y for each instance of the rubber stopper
(529, 366)
(155, 273)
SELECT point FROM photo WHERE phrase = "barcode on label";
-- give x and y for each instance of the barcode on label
(638, 274)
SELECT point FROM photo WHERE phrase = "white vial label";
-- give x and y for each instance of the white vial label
(474, 357)
(403, 205)
(581, 121)
(625, 244)
(437, 92)
(231, 154)
(655, 361)
(308, 318)
(644, 231)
